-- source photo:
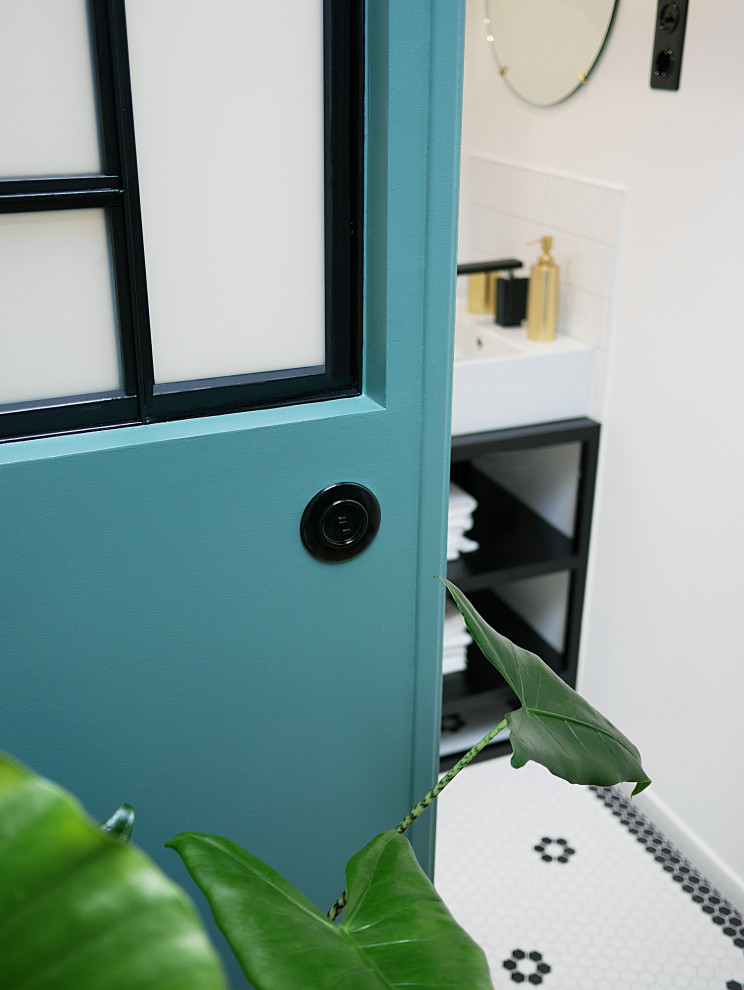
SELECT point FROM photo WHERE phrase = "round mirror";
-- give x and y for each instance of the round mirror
(545, 49)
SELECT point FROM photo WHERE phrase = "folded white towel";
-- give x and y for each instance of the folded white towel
(457, 643)
(459, 521)
(457, 518)
(453, 617)
(458, 545)
(454, 661)
(460, 500)
(456, 636)
(456, 647)
(458, 528)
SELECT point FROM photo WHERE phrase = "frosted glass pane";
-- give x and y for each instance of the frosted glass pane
(48, 117)
(228, 113)
(59, 335)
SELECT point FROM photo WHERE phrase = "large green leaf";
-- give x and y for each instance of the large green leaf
(555, 726)
(396, 931)
(79, 908)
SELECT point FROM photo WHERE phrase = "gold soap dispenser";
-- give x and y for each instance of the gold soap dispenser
(542, 295)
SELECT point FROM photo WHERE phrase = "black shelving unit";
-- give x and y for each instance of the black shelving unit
(515, 543)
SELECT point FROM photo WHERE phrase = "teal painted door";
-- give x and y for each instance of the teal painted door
(168, 641)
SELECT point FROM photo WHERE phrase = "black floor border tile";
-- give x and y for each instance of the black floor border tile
(682, 872)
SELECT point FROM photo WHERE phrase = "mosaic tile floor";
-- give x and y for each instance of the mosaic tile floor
(569, 888)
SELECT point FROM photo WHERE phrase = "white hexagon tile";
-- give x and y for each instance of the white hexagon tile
(568, 888)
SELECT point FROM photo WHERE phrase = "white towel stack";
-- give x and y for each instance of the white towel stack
(456, 640)
(460, 520)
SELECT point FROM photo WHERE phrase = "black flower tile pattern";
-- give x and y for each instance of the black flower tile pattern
(625, 911)
(526, 966)
(554, 850)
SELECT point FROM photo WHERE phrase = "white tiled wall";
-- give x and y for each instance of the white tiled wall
(509, 205)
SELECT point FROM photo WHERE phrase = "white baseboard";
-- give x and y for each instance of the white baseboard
(693, 848)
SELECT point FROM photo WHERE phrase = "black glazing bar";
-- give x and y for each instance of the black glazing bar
(101, 35)
(329, 212)
(239, 398)
(123, 298)
(355, 169)
(67, 417)
(343, 73)
(129, 248)
(68, 193)
(100, 38)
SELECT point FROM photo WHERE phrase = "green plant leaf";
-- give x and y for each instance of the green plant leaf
(555, 726)
(80, 909)
(121, 824)
(396, 931)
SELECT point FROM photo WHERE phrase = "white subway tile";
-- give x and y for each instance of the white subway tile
(513, 205)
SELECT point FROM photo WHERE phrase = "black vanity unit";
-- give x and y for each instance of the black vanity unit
(516, 544)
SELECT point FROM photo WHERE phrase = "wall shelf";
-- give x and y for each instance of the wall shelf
(517, 543)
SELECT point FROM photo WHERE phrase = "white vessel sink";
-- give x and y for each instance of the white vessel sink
(502, 379)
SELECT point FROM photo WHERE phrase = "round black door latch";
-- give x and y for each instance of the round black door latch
(340, 521)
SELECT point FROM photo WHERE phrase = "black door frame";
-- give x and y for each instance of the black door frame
(116, 190)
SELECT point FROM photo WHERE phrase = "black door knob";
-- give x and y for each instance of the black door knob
(339, 522)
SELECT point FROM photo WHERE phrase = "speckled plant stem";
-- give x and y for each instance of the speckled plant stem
(424, 803)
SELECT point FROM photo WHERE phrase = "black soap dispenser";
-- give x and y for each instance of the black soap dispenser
(511, 300)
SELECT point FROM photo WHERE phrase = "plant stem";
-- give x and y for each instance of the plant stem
(426, 801)
(450, 775)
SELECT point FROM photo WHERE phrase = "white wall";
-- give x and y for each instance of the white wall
(662, 651)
